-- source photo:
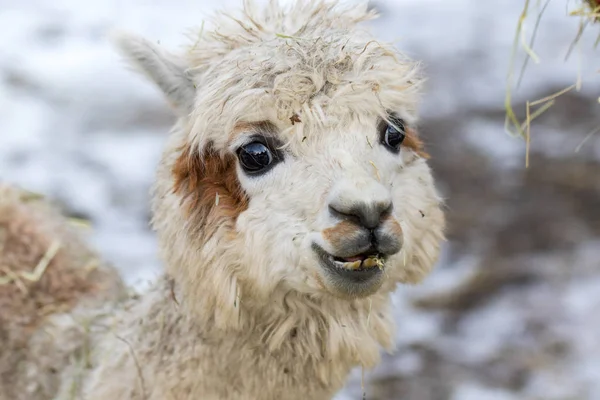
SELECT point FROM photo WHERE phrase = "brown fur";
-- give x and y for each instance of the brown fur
(28, 228)
(413, 142)
(392, 226)
(25, 239)
(262, 127)
(209, 187)
(341, 233)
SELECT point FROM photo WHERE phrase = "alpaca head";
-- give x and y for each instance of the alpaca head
(295, 166)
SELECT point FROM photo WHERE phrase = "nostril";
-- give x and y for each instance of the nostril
(369, 215)
(387, 210)
(345, 214)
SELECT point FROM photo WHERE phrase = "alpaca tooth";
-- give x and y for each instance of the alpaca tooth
(350, 265)
(370, 262)
(353, 265)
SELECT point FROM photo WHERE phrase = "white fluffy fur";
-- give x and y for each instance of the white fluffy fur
(244, 296)
(243, 312)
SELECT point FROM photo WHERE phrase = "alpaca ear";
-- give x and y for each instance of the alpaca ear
(166, 70)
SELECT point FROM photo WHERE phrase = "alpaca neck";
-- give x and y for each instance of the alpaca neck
(323, 331)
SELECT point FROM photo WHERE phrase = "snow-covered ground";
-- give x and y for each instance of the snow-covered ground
(77, 125)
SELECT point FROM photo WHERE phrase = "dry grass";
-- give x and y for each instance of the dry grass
(34, 276)
(137, 366)
(588, 12)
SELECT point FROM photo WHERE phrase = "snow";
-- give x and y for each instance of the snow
(477, 392)
(77, 125)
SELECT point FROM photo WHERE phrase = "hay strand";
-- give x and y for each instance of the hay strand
(552, 96)
(589, 13)
(532, 41)
(376, 170)
(528, 135)
(36, 274)
(40, 268)
(586, 138)
(137, 366)
(13, 277)
(511, 118)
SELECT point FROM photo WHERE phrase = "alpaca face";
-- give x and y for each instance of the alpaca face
(296, 163)
(344, 211)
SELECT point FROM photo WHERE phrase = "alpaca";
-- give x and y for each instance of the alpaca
(292, 197)
(51, 284)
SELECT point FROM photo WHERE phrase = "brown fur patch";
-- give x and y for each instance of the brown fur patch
(208, 184)
(413, 142)
(341, 233)
(241, 127)
(258, 127)
(392, 226)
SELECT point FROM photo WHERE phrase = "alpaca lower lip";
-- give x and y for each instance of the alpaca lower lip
(357, 278)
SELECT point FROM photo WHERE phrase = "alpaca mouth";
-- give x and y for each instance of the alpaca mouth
(360, 261)
(356, 276)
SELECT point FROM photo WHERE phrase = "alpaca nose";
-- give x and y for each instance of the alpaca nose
(368, 215)
(368, 210)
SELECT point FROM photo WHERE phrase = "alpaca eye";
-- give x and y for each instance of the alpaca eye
(392, 135)
(255, 157)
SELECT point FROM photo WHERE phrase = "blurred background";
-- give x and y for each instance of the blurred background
(513, 308)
